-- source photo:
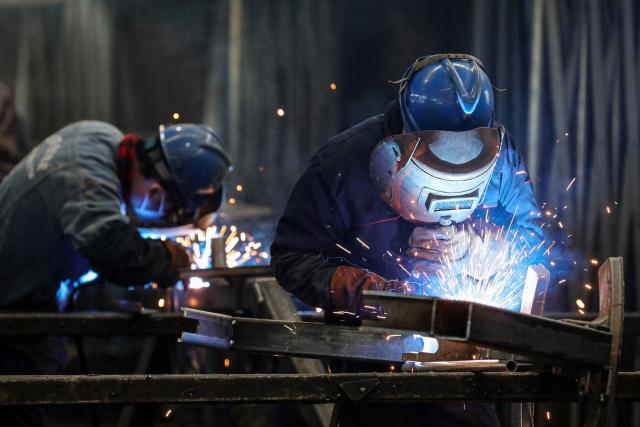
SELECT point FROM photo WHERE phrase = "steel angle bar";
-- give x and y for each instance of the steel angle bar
(492, 327)
(93, 324)
(313, 388)
(306, 339)
(224, 272)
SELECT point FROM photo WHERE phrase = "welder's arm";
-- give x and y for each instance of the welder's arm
(308, 230)
(97, 228)
(516, 197)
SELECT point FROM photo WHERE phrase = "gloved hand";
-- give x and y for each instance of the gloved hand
(347, 284)
(438, 243)
(458, 248)
(178, 260)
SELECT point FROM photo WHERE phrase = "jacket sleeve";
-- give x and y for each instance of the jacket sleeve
(92, 219)
(517, 199)
(309, 227)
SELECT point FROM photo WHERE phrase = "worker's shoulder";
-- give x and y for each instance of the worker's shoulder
(88, 128)
(359, 140)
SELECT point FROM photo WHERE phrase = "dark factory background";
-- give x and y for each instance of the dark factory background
(279, 77)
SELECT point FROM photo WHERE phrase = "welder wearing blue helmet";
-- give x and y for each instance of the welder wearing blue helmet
(76, 201)
(395, 194)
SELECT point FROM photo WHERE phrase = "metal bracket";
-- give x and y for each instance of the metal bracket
(356, 390)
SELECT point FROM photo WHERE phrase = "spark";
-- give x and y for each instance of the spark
(388, 337)
(548, 415)
(405, 270)
(176, 116)
(232, 201)
(562, 281)
(608, 210)
(581, 312)
(168, 413)
(343, 248)
(239, 187)
(523, 172)
(580, 303)
(290, 328)
(475, 279)
(571, 183)
(362, 243)
(333, 86)
(280, 112)
(560, 224)
(227, 362)
(588, 286)
(593, 261)
(161, 302)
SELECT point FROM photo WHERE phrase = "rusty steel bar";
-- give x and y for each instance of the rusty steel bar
(316, 388)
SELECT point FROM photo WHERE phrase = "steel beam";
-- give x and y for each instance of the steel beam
(93, 324)
(491, 327)
(318, 388)
(305, 339)
(212, 273)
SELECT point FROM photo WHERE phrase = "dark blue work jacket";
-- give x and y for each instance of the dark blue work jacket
(334, 203)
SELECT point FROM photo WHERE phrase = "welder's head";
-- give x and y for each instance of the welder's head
(182, 170)
(446, 92)
(435, 176)
(438, 170)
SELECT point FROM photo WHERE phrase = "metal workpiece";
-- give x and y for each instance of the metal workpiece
(225, 272)
(93, 324)
(492, 327)
(313, 388)
(306, 339)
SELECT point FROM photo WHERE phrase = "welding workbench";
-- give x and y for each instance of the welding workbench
(280, 337)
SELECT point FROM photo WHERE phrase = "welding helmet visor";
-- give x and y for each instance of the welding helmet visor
(435, 176)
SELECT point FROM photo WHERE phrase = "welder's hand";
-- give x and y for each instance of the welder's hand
(178, 260)
(440, 244)
(488, 251)
(347, 284)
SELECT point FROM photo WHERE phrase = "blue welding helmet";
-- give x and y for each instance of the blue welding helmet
(446, 92)
(190, 161)
(435, 177)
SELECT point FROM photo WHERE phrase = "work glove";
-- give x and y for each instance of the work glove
(347, 284)
(178, 260)
(457, 250)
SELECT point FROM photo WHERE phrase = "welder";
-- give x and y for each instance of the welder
(392, 197)
(76, 200)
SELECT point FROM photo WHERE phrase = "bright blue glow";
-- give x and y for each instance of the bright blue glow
(88, 277)
(468, 108)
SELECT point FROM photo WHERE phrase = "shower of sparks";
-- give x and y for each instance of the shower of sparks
(571, 183)
(240, 247)
(499, 282)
